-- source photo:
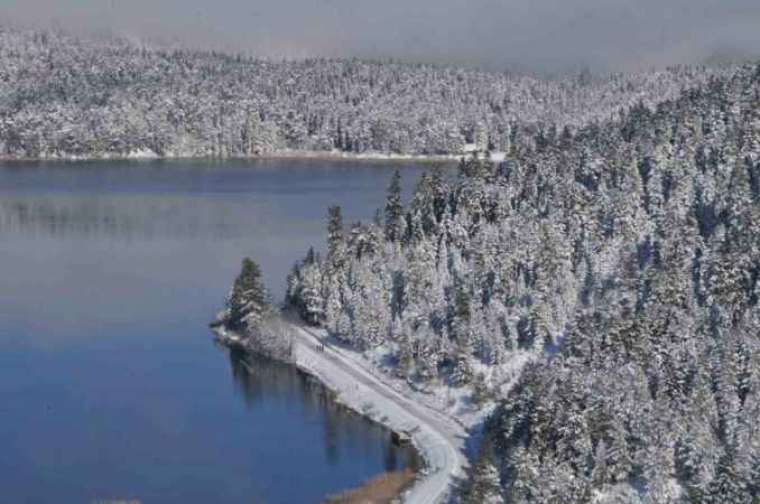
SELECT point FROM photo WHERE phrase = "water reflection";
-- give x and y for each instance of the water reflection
(261, 380)
(109, 273)
(145, 217)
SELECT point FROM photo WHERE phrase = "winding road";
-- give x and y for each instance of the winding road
(438, 437)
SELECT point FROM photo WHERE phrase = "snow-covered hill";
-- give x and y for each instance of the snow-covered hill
(62, 97)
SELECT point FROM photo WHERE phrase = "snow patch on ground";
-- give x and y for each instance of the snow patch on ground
(455, 402)
(104, 156)
(142, 154)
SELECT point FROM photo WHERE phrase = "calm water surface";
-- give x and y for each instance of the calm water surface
(110, 387)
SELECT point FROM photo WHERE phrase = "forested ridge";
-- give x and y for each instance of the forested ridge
(624, 257)
(64, 97)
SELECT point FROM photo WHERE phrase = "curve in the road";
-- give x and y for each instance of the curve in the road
(437, 438)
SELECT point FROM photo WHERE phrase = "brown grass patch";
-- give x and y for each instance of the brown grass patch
(384, 489)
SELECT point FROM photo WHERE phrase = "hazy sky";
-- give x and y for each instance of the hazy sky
(537, 34)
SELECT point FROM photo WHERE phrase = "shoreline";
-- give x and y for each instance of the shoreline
(271, 156)
(376, 485)
(234, 342)
(286, 154)
(438, 447)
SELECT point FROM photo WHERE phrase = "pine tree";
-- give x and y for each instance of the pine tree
(462, 316)
(311, 302)
(248, 300)
(727, 487)
(485, 485)
(393, 209)
(405, 357)
(462, 374)
(335, 238)
(526, 481)
(754, 477)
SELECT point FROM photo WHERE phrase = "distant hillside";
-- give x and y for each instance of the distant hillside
(65, 97)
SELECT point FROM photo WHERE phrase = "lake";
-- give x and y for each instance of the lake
(110, 385)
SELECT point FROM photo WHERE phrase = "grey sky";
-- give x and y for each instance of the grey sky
(536, 34)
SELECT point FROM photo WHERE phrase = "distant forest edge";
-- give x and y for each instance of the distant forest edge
(64, 97)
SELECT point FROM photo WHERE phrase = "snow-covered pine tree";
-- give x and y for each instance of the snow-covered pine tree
(248, 301)
(484, 485)
(394, 209)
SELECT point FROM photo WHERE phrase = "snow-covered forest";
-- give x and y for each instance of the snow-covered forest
(617, 248)
(63, 97)
(624, 255)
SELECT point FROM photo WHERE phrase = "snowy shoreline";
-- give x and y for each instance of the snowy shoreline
(147, 155)
(438, 437)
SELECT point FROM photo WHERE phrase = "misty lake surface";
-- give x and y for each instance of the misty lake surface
(110, 385)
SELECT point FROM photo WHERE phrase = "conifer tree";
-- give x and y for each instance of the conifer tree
(485, 486)
(393, 209)
(335, 238)
(248, 299)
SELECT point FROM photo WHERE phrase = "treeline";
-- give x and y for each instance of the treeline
(65, 97)
(626, 256)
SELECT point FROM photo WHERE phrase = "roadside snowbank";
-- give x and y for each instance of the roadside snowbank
(437, 421)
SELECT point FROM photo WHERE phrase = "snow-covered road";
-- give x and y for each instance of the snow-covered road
(438, 437)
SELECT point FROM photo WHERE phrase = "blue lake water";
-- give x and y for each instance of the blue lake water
(110, 386)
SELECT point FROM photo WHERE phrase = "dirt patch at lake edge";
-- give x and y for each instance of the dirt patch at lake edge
(384, 489)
